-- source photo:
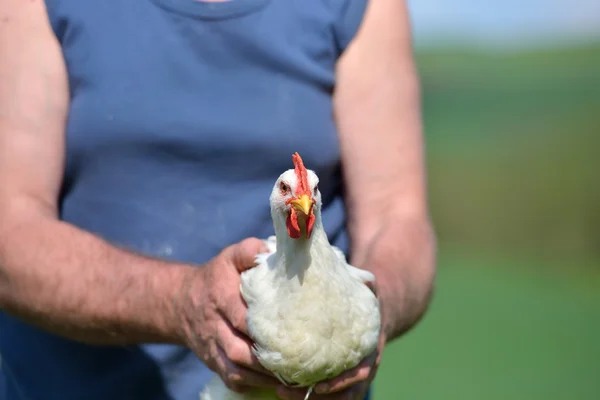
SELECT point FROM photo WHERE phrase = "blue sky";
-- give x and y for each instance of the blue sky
(505, 22)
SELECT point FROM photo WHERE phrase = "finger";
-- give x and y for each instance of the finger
(237, 348)
(239, 378)
(220, 359)
(243, 254)
(354, 393)
(373, 286)
(358, 374)
(286, 393)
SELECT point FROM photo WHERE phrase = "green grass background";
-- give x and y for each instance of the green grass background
(513, 147)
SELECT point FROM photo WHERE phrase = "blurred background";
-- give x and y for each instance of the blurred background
(511, 93)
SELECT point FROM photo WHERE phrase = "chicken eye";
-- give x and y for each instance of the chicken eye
(316, 189)
(284, 188)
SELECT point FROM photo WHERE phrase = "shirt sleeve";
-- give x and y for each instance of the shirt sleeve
(349, 17)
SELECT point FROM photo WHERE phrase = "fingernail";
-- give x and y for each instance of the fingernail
(322, 388)
(281, 392)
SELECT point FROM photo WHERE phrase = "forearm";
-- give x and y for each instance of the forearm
(402, 256)
(74, 284)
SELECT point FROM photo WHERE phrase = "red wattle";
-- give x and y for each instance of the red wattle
(309, 225)
(292, 225)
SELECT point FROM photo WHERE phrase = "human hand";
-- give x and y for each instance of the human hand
(213, 317)
(350, 385)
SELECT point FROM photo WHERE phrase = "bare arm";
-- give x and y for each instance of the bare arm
(70, 282)
(377, 110)
(53, 274)
(377, 106)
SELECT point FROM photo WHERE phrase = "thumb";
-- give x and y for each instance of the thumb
(243, 254)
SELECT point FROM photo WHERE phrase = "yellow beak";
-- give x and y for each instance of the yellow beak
(303, 204)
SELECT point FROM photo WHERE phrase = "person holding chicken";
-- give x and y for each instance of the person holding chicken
(139, 144)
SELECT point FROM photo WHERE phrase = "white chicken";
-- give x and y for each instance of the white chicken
(310, 313)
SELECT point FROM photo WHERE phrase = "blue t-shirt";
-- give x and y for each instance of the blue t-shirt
(182, 116)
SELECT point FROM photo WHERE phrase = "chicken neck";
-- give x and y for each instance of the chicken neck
(296, 255)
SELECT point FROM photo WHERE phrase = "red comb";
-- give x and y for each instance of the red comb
(302, 175)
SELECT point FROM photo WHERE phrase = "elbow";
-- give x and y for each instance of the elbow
(6, 233)
(5, 268)
(22, 220)
(4, 282)
(418, 274)
(426, 274)
(13, 277)
(13, 242)
(424, 294)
